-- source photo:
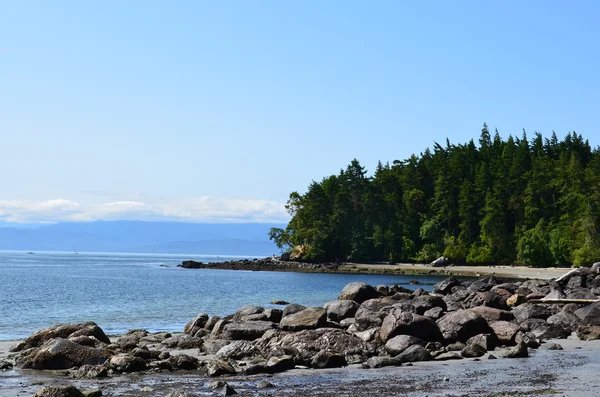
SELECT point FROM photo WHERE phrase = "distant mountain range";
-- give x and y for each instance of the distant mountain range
(142, 237)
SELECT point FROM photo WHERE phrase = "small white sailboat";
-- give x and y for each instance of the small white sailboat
(75, 250)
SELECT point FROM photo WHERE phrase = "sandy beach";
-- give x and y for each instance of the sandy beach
(470, 271)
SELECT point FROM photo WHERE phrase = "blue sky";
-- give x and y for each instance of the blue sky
(197, 110)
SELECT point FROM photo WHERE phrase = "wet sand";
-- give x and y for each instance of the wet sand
(570, 372)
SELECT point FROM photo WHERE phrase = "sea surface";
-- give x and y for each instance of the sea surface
(120, 292)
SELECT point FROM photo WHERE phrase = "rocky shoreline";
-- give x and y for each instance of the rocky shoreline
(265, 264)
(370, 327)
(407, 269)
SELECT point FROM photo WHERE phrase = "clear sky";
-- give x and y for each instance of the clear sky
(217, 110)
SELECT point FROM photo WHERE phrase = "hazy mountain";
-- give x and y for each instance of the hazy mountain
(138, 236)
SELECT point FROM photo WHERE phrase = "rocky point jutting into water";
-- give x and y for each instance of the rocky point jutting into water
(372, 326)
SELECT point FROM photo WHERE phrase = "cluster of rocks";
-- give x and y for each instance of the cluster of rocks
(373, 326)
(266, 264)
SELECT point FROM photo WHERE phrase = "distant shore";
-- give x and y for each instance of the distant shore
(272, 264)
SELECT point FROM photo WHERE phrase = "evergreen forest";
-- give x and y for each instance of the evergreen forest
(525, 201)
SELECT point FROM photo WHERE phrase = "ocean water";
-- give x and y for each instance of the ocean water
(120, 292)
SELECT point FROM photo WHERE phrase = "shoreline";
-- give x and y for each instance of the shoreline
(407, 269)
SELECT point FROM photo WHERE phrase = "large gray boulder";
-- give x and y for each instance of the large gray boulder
(338, 310)
(399, 343)
(304, 345)
(505, 331)
(590, 314)
(399, 322)
(445, 287)
(61, 353)
(414, 353)
(196, 324)
(310, 318)
(461, 325)
(126, 363)
(237, 350)
(246, 311)
(528, 311)
(63, 331)
(358, 292)
(249, 330)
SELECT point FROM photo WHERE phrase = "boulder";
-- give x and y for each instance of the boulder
(210, 324)
(217, 329)
(588, 332)
(399, 322)
(551, 346)
(516, 300)
(250, 330)
(398, 344)
(566, 320)
(473, 350)
(590, 314)
(382, 361)
(59, 391)
(529, 311)
(61, 354)
(505, 331)
(368, 335)
(63, 331)
(91, 372)
(273, 315)
(519, 351)
(483, 284)
(310, 318)
(292, 308)
(212, 346)
(183, 342)
(328, 359)
(488, 341)
(434, 313)
(184, 362)
(358, 292)
(414, 353)
(131, 339)
(492, 314)
(338, 310)
(426, 302)
(245, 311)
(304, 345)
(440, 262)
(237, 350)
(489, 299)
(196, 324)
(367, 319)
(280, 364)
(126, 363)
(461, 325)
(384, 290)
(216, 367)
(445, 287)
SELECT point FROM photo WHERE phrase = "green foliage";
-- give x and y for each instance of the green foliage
(281, 238)
(534, 249)
(534, 202)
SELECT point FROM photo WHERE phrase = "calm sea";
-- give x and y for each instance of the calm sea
(126, 291)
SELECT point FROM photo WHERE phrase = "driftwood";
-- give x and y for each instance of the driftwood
(567, 274)
(563, 300)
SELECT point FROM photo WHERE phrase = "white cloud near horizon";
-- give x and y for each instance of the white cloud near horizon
(201, 209)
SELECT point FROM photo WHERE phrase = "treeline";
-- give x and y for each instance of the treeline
(532, 202)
